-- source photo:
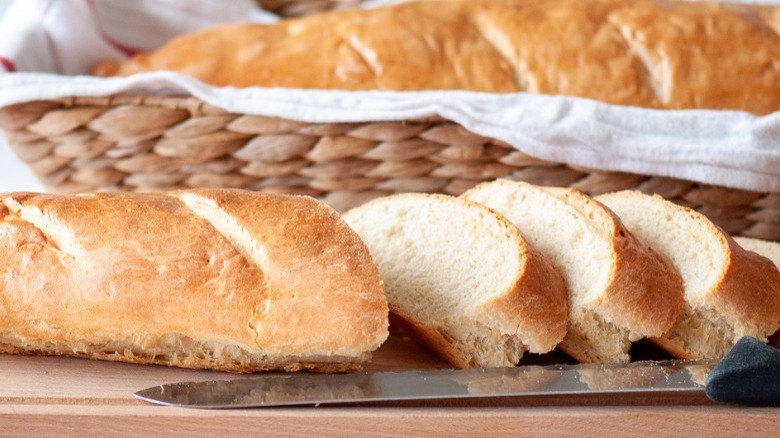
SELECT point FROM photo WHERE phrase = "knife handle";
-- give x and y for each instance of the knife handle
(748, 375)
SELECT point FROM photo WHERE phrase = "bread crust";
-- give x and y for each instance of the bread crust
(744, 299)
(635, 292)
(645, 53)
(539, 298)
(644, 293)
(764, 248)
(749, 292)
(131, 276)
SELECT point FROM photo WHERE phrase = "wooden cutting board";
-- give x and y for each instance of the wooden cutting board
(55, 396)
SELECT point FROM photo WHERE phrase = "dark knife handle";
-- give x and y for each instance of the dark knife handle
(748, 375)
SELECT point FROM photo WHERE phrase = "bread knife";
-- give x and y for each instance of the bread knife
(726, 381)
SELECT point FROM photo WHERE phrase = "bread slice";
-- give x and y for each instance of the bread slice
(619, 289)
(461, 277)
(729, 292)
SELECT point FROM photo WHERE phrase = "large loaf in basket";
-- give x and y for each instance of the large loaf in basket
(145, 142)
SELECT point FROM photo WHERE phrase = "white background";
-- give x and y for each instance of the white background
(14, 175)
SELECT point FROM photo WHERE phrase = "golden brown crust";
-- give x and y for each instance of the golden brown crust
(646, 288)
(539, 297)
(333, 254)
(742, 299)
(632, 52)
(536, 305)
(140, 272)
(622, 290)
(644, 293)
(749, 292)
(745, 299)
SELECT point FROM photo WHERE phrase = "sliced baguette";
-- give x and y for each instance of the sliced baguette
(462, 278)
(619, 289)
(770, 250)
(729, 292)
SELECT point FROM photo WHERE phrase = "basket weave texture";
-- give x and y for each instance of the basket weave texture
(144, 143)
(299, 8)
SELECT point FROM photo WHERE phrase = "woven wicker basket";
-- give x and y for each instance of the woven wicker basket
(131, 142)
(299, 8)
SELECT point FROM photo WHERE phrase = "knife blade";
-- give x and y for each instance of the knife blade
(749, 374)
(317, 389)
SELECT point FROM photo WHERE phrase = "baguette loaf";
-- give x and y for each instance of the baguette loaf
(620, 290)
(461, 278)
(222, 279)
(658, 54)
(729, 292)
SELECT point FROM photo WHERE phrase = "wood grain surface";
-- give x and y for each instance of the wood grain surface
(55, 396)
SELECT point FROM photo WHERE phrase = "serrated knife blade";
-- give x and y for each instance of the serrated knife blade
(291, 389)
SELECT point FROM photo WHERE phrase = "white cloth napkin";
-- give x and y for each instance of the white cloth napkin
(50, 43)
